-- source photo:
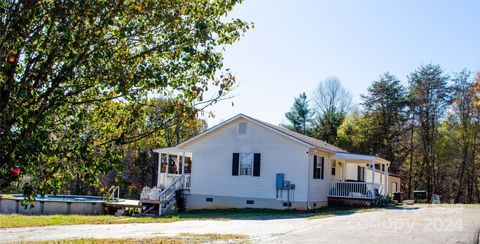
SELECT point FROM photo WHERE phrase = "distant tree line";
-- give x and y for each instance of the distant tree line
(427, 127)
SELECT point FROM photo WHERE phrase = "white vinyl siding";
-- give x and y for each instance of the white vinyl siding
(212, 162)
(319, 187)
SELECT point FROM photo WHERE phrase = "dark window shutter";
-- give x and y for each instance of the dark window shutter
(235, 163)
(315, 167)
(256, 164)
(323, 164)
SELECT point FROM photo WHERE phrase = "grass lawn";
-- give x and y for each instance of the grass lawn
(15, 220)
(182, 238)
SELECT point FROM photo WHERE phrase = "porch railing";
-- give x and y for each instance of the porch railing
(363, 190)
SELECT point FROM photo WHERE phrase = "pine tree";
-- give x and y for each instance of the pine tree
(299, 115)
(384, 107)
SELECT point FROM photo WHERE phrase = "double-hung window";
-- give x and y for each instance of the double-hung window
(246, 163)
(334, 162)
(360, 173)
(318, 166)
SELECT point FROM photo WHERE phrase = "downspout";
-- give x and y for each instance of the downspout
(373, 178)
(308, 180)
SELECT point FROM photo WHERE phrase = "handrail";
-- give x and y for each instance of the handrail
(111, 192)
(173, 186)
(167, 193)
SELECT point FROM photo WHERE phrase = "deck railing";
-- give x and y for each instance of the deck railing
(362, 190)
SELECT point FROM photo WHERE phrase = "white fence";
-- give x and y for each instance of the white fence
(353, 189)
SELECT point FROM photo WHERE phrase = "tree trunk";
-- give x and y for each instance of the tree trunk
(410, 176)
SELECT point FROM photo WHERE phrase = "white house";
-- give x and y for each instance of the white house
(244, 162)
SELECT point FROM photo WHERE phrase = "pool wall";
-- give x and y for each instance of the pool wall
(10, 206)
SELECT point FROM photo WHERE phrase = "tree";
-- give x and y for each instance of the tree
(429, 97)
(299, 115)
(138, 163)
(476, 91)
(76, 78)
(464, 110)
(351, 134)
(332, 103)
(384, 108)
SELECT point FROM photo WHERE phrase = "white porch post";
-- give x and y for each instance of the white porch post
(380, 173)
(183, 163)
(344, 165)
(386, 179)
(183, 171)
(178, 163)
(373, 177)
(159, 171)
(166, 170)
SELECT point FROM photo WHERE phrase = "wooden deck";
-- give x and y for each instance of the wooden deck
(124, 203)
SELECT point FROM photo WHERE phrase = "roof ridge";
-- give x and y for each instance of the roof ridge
(297, 135)
(300, 138)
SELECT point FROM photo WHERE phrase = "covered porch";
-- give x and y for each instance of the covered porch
(173, 182)
(358, 177)
(173, 162)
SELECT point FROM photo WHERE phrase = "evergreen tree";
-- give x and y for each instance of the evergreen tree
(299, 115)
(384, 106)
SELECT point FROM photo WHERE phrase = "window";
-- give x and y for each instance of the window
(360, 173)
(242, 128)
(246, 163)
(380, 167)
(333, 166)
(394, 187)
(318, 163)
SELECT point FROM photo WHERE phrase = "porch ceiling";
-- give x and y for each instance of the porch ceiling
(359, 157)
(173, 151)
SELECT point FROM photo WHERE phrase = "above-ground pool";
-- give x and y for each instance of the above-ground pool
(49, 204)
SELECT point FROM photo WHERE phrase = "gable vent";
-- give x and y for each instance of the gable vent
(242, 128)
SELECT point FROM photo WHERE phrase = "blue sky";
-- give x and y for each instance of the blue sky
(297, 44)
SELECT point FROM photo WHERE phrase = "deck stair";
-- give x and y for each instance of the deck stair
(171, 199)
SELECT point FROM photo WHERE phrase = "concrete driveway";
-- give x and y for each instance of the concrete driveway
(422, 225)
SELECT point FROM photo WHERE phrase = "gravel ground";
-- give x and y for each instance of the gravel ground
(416, 225)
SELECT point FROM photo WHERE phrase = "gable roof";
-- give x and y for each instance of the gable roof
(302, 139)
